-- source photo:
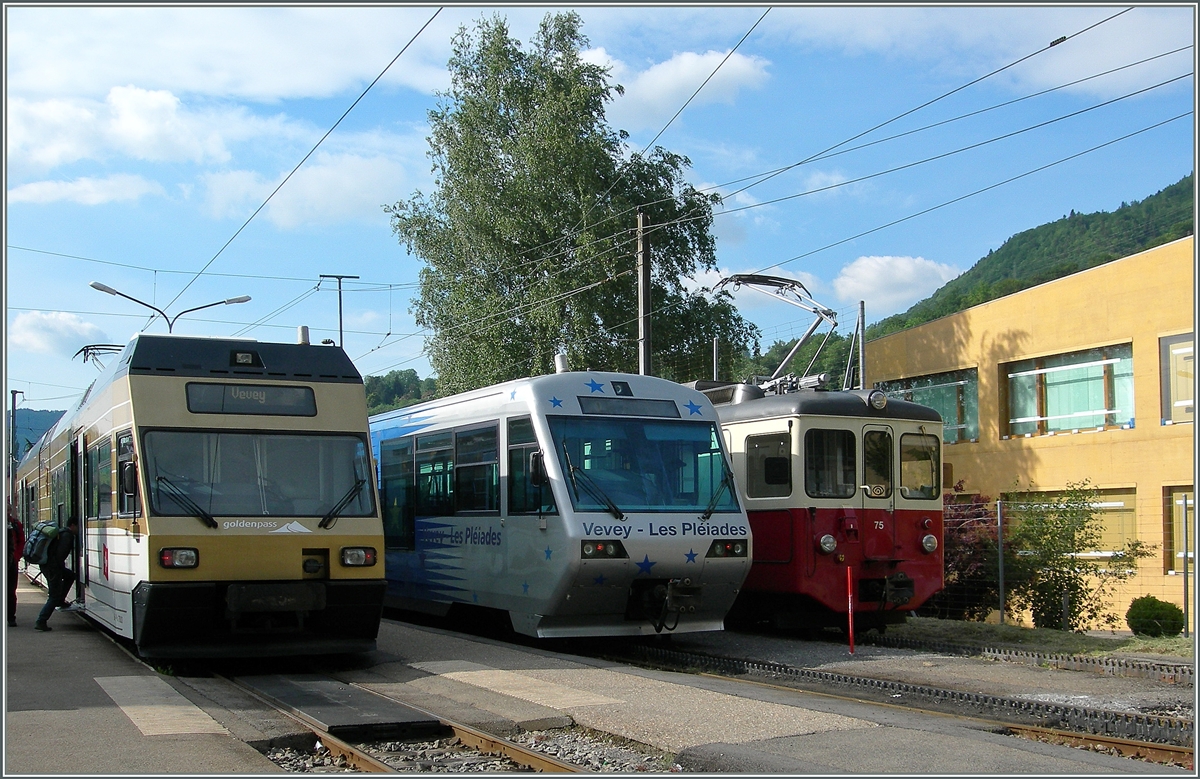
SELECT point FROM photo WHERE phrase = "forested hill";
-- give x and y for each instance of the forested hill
(1071, 244)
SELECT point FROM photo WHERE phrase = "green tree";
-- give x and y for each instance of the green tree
(528, 238)
(1051, 570)
(396, 390)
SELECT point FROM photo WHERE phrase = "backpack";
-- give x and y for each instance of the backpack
(37, 545)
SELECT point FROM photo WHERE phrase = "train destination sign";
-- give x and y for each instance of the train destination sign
(261, 399)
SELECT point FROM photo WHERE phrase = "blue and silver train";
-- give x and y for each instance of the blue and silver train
(580, 503)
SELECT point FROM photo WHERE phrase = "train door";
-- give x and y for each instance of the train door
(877, 493)
(77, 496)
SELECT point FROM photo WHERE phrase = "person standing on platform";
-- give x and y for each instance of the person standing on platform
(59, 577)
(16, 545)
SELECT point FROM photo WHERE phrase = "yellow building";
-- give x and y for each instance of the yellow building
(1085, 377)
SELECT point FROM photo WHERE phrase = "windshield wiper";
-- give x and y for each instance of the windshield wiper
(712, 504)
(331, 517)
(590, 486)
(185, 500)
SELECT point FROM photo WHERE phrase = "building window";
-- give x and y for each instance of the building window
(954, 395)
(1174, 547)
(1086, 390)
(1117, 510)
(1178, 378)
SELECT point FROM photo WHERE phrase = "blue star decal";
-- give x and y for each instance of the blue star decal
(595, 386)
(599, 579)
(512, 395)
(548, 553)
(525, 587)
(692, 408)
(556, 402)
(645, 565)
(690, 555)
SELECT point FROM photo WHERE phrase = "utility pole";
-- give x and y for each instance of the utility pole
(862, 327)
(339, 278)
(643, 269)
(12, 453)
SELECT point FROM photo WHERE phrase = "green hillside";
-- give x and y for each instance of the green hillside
(1071, 244)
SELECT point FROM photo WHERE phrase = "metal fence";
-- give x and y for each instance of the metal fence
(977, 540)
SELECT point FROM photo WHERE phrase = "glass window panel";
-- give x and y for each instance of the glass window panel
(520, 431)
(257, 474)
(954, 395)
(397, 488)
(919, 471)
(1178, 547)
(435, 482)
(642, 465)
(769, 465)
(1177, 361)
(829, 464)
(877, 463)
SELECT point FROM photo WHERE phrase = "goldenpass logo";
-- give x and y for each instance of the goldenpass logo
(247, 523)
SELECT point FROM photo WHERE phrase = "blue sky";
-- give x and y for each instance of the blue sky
(140, 139)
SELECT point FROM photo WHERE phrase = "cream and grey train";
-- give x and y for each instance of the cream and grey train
(579, 503)
(225, 496)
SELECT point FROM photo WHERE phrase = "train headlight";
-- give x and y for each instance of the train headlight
(603, 550)
(358, 556)
(176, 557)
(877, 400)
(929, 543)
(828, 543)
(732, 547)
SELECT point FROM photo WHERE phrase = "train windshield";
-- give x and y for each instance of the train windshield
(229, 474)
(643, 464)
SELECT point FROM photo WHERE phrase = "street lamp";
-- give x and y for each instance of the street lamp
(169, 320)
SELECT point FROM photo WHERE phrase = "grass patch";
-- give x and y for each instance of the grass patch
(1037, 639)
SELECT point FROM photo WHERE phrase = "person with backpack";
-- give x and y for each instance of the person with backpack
(16, 545)
(59, 577)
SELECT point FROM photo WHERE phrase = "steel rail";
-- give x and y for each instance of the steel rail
(1138, 728)
(469, 736)
(1167, 754)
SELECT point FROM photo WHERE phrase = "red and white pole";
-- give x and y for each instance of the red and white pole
(850, 605)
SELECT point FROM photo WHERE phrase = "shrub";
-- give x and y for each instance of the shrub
(1149, 616)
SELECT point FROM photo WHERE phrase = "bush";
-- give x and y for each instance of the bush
(1149, 616)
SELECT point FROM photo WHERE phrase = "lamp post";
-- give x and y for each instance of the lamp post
(169, 320)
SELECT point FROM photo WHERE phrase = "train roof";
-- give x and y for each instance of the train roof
(850, 403)
(235, 358)
(563, 391)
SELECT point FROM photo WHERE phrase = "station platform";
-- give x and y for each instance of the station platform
(76, 703)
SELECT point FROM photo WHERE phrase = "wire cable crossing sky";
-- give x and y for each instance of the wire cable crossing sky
(138, 135)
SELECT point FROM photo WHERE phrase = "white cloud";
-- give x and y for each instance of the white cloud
(890, 284)
(85, 190)
(329, 188)
(141, 124)
(653, 95)
(52, 332)
(970, 41)
(258, 53)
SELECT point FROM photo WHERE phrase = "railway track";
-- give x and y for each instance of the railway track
(1160, 739)
(454, 748)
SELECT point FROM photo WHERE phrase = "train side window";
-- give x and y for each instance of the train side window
(919, 466)
(829, 464)
(398, 493)
(477, 469)
(769, 465)
(524, 496)
(877, 463)
(435, 474)
(99, 480)
(127, 492)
